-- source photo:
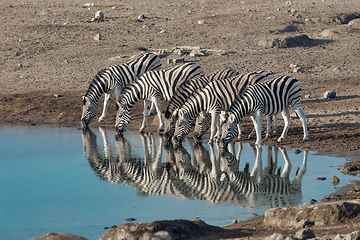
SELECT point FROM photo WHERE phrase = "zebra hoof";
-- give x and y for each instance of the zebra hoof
(306, 139)
(142, 130)
(101, 119)
(280, 139)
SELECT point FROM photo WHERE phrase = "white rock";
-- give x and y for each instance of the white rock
(201, 21)
(97, 37)
(99, 14)
(330, 94)
(141, 17)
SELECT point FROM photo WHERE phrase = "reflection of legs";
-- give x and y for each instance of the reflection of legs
(215, 163)
(107, 149)
(302, 169)
(287, 167)
(215, 124)
(257, 170)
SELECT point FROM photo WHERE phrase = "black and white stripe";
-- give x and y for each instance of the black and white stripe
(185, 90)
(268, 98)
(215, 97)
(111, 81)
(153, 86)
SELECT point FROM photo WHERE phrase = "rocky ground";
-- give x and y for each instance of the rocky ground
(51, 50)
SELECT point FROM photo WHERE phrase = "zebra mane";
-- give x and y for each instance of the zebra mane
(93, 80)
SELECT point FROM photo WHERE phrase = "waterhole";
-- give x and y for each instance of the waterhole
(62, 179)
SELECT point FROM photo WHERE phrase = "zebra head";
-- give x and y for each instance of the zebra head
(182, 127)
(89, 111)
(229, 130)
(203, 122)
(122, 118)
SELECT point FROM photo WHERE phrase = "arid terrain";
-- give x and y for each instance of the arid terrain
(49, 56)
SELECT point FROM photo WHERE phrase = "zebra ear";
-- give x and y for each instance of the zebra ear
(176, 114)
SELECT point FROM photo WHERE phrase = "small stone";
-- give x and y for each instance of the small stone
(304, 234)
(330, 94)
(57, 95)
(234, 221)
(201, 21)
(312, 201)
(97, 37)
(141, 17)
(99, 15)
(113, 226)
(130, 219)
(297, 151)
(321, 178)
(335, 180)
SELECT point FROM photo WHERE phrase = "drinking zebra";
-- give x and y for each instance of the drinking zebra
(185, 90)
(111, 81)
(268, 98)
(153, 86)
(215, 97)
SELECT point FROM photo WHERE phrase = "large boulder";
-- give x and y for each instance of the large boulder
(167, 229)
(318, 215)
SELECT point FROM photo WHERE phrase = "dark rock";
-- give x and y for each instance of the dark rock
(59, 236)
(335, 180)
(304, 234)
(177, 229)
(321, 214)
(288, 42)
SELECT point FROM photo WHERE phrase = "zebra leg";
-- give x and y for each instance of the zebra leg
(257, 119)
(152, 110)
(239, 130)
(268, 126)
(157, 104)
(106, 103)
(145, 115)
(302, 117)
(215, 123)
(287, 121)
(275, 124)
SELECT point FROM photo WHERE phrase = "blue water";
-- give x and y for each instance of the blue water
(59, 179)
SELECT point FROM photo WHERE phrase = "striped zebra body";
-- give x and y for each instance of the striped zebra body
(268, 98)
(111, 81)
(214, 98)
(203, 122)
(185, 90)
(153, 86)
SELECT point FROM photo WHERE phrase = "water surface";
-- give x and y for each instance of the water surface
(61, 179)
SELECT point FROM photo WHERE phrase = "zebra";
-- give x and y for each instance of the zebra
(185, 90)
(203, 121)
(268, 98)
(153, 86)
(215, 97)
(111, 81)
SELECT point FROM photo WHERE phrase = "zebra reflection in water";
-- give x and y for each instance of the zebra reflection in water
(210, 173)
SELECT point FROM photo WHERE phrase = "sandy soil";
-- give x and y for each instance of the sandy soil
(49, 56)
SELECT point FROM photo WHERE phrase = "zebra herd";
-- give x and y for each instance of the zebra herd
(217, 101)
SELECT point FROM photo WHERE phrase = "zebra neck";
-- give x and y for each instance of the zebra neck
(132, 96)
(242, 107)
